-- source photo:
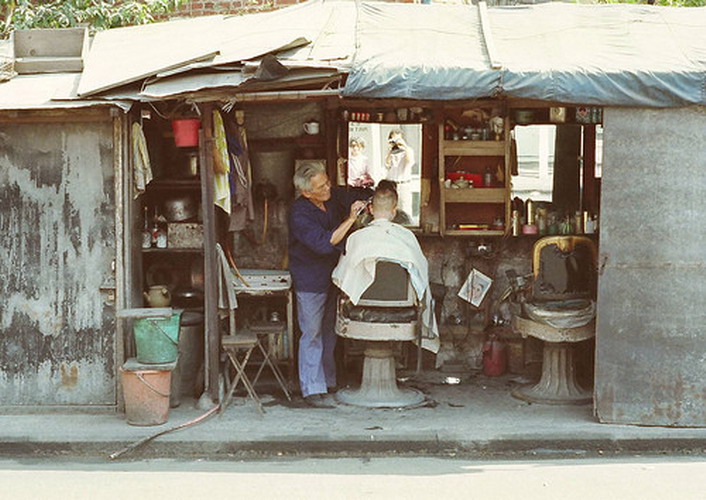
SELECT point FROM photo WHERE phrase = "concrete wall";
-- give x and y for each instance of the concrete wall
(57, 220)
(651, 332)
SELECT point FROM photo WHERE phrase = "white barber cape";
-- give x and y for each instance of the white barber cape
(355, 271)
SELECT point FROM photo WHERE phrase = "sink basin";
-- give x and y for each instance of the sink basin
(263, 279)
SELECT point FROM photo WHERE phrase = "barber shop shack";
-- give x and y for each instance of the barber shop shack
(554, 195)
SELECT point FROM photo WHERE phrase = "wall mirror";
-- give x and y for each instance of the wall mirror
(392, 151)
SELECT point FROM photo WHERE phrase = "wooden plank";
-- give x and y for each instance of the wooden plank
(145, 312)
(63, 64)
(456, 232)
(473, 148)
(475, 195)
(48, 42)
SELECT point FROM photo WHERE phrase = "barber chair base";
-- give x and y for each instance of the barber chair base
(557, 385)
(378, 388)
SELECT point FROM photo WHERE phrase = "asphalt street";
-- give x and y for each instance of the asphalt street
(627, 478)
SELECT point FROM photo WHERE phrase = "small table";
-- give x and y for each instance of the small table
(276, 284)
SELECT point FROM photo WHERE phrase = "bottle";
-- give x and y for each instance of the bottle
(161, 232)
(516, 223)
(488, 177)
(155, 228)
(578, 223)
(529, 211)
(146, 232)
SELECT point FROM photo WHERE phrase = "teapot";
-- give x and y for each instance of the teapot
(158, 296)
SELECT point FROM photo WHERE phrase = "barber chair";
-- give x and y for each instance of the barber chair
(561, 312)
(387, 312)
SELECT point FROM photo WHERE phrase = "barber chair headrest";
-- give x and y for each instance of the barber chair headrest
(564, 268)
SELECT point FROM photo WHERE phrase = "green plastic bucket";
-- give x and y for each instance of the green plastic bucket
(157, 339)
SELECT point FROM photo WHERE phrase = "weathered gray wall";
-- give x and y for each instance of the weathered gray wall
(651, 332)
(58, 242)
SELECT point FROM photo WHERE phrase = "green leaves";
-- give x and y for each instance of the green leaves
(97, 14)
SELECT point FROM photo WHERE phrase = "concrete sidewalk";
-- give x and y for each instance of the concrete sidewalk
(476, 418)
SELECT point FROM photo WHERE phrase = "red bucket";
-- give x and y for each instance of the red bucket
(186, 132)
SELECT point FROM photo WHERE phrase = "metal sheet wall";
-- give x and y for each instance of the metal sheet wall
(57, 218)
(651, 333)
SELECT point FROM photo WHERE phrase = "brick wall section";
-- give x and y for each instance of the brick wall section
(195, 8)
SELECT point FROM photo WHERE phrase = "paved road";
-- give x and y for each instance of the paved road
(682, 478)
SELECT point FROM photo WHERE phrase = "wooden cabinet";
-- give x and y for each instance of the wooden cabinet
(468, 205)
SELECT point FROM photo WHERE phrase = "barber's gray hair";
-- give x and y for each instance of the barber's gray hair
(304, 174)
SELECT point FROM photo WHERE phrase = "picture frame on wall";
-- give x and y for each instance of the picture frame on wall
(475, 288)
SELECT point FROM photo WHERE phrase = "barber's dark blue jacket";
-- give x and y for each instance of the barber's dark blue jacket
(312, 257)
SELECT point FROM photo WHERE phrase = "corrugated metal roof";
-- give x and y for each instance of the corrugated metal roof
(313, 33)
(125, 55)
(47, 91)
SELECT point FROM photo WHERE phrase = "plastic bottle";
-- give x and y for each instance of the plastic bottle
(146, 233)
(488, 177)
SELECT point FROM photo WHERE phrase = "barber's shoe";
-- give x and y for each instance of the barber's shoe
(318, 401)
(329, 399)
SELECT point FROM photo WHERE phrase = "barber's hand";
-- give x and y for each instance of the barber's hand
(357, 208)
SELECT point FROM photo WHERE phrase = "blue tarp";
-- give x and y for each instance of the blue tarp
(611, 55)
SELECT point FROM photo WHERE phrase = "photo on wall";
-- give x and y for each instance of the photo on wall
(475, 288)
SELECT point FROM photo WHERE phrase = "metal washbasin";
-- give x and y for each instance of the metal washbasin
(262, 279)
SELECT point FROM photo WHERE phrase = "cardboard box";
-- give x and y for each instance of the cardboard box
(184, 235)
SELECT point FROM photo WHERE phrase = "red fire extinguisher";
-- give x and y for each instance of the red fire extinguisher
(494, 357)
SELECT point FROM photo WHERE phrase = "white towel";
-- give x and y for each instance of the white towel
(142, 169)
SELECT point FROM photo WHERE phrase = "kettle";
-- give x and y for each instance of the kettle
(158, 296)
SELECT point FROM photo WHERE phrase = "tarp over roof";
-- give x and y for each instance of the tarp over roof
(620, 54)
(610, 55)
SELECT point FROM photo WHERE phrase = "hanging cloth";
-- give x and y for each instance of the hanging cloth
(241, 178)
(221, 164)
(141, 167)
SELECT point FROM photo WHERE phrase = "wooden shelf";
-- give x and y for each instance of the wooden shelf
(473, 148)
(308, 141)
(474, 232)
(478, 205)
(475, 195)
(186, 183)
(172, 250)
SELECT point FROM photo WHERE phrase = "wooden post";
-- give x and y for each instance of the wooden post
(211, 330)
(588, 199)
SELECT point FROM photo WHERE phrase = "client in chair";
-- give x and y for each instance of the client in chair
(383, 241)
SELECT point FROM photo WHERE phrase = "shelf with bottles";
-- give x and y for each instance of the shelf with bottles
(162, 234)
(474, 175)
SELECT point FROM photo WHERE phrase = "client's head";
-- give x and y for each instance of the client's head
(384, 204)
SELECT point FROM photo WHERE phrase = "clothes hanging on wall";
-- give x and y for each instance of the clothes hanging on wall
(142, 168)
(242, 208)
(221, 164)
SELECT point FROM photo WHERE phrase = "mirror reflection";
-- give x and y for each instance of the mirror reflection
(389, 151)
